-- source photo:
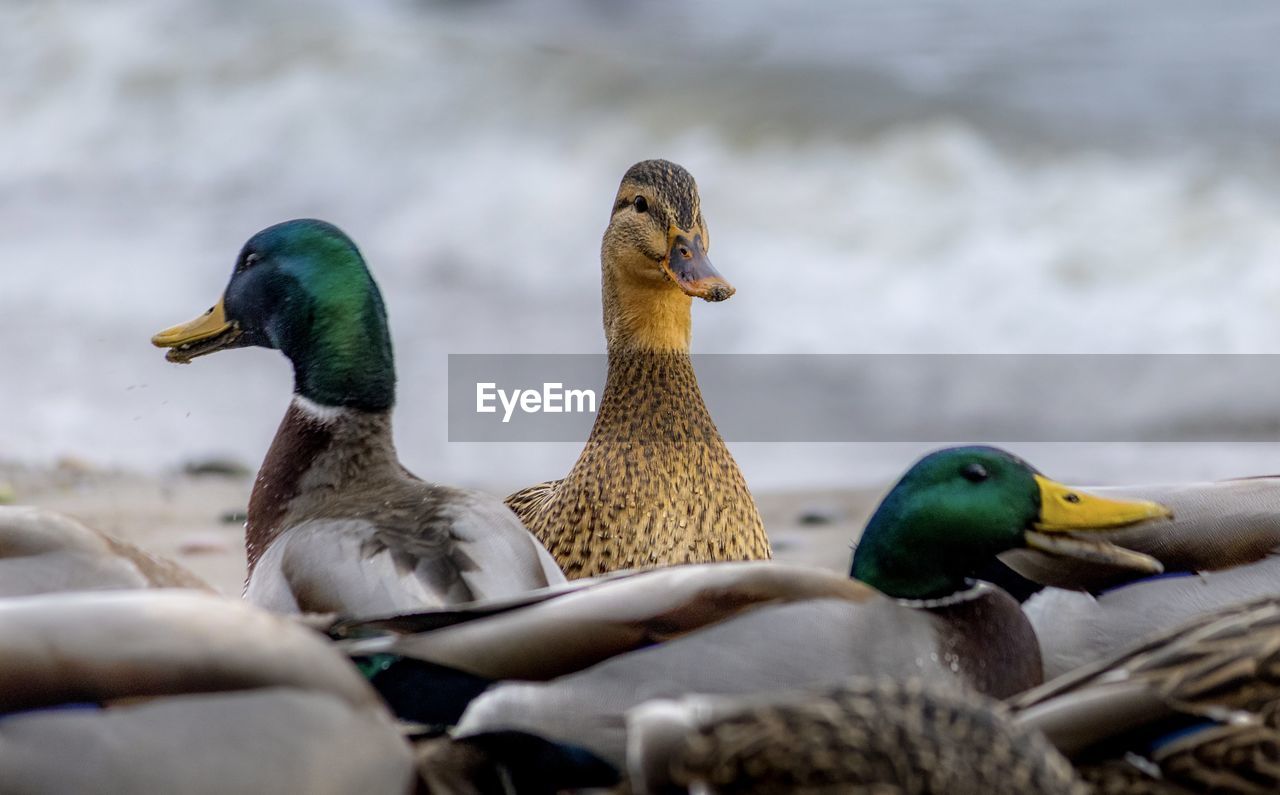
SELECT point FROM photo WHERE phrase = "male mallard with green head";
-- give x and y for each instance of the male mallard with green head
(336, 523)
(655, 484)
(569, 666)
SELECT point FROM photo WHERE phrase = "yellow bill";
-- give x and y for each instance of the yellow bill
(1067, 516)
(210, 332)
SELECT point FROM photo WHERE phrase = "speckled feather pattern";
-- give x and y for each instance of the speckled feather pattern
(1223, 668)
(873, 736)
(655, 484)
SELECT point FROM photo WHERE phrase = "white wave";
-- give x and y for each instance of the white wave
(148, 139)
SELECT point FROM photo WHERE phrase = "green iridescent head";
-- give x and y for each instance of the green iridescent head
(956, 509)
(302, 287)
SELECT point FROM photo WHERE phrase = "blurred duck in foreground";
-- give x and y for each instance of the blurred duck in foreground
(1217, 551)
(867, 735)
(655, 484)
(44, 552)
(176, 691)
(1193, 709)
(586, 654)
(336, 523)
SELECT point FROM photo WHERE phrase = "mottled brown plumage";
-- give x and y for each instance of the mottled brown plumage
(1196, 707)
(870, 736)
(655, 484)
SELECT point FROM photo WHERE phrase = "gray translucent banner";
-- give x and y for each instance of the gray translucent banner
(939, 398)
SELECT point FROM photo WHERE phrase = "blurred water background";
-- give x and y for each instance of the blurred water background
(878, 177)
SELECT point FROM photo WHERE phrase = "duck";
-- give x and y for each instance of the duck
(45, 552)
(655, 484)
(1218, 550)
(567, 668)
(868, 734)
(335, 522)
(180, 691)
(1195, 708)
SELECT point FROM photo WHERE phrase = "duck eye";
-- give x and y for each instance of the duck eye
(641, 205)
(249, 260)
(974, 473)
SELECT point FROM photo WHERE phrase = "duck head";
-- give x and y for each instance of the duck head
(654, 257)
(301, 287)
(956, 509)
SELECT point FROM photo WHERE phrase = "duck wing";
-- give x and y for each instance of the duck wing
(1183, 699)
(775, 647)
(176, 691)
(560, 631)
(427, 546)
(1078, 628)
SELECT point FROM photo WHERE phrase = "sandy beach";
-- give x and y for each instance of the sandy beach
(196, 517)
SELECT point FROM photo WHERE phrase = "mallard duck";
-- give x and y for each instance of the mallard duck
(1192, 709)
(335, 522)
(43, 552)
(1215, 552)
(588, 655)
(176, 691)
(655, 484)
(867, 735)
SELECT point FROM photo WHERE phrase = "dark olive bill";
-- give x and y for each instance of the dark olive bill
(210, 332)
(687, 265)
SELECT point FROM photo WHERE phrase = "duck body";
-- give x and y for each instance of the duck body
(45, 552)
(655, 484)
(1191, 709)
(166, 691)
(567, 667)
(335, 522)
(865, 735)
(351, 531)
(1076, 628)
(979, 640)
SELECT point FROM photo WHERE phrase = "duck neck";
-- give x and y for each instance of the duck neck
(319, 454)
(642, 316)
(652, 398)
(891, 563)
(343, 357)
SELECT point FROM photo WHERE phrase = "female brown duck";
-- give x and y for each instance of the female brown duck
(655, 484)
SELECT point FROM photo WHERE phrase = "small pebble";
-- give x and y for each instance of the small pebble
(224, 467)
(235, 516)
(818, 515)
